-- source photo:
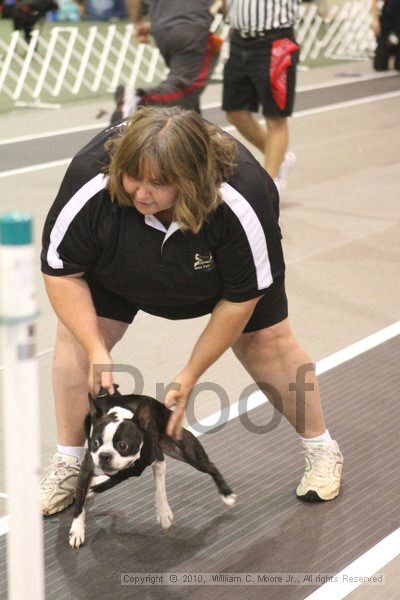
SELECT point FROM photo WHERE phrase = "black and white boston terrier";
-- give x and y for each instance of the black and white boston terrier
(126, 434)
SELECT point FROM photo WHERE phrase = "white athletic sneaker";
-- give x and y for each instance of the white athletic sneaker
(58, 486)
(321, 479)
(288, 163)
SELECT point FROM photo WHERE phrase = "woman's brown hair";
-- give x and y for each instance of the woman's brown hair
(180, 149)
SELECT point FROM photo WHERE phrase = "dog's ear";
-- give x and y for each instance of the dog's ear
(104, 394)
(87, 425)
(143, 415)
(116, 392)
(95, 410)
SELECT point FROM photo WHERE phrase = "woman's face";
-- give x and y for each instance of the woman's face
(148, 196)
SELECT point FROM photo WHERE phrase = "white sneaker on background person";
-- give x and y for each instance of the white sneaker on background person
(281, 179)
(286, 165)
(281, 186)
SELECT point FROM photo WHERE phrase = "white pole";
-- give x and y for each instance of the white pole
(21, 407)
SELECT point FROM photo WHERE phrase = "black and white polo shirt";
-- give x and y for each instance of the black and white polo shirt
(236, 255)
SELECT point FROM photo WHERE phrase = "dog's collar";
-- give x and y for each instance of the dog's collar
(130, 464)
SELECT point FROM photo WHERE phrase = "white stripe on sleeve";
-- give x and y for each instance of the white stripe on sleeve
(254, 233)
(68, 213)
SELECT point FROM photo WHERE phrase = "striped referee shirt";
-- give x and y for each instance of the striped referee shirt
(256, 16)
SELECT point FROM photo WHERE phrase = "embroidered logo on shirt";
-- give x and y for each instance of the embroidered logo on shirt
(203, 263)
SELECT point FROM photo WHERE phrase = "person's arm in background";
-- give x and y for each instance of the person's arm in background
(225, 326)
(142, 28)
(376, 25)
(218, 6)
(72, 302)
(224, 8)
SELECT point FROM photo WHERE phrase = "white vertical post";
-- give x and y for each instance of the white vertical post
(153, 65)
(103, 59)
(136, 65)
(65, 62)
(9, 57)
(127, 40)
(27, 63)
(20, 407)
(85, 59)
(46, 62)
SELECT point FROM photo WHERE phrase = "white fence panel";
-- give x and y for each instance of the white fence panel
(63, 62)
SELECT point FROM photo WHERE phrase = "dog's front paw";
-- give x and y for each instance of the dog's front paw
(77, 532)
(164, 516)
(229, 500)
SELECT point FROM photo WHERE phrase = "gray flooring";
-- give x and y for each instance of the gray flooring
(18, 155)
(270, 530)
(340, 219)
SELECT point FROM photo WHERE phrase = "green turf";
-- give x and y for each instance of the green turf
(65, 95)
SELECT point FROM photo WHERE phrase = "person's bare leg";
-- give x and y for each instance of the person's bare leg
(276, 145)
(283, 371)
(70, 377)
(273, 356)
(248, 127)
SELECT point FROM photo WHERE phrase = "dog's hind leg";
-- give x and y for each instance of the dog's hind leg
(163, 510)
(189, 450)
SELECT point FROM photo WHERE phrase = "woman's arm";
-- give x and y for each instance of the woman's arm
(134, 8)
(142, 28)
(376, 25)
(226, 324)
(72, 302)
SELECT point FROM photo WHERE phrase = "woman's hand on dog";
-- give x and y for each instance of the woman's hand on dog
(178, 397)
(100, 372)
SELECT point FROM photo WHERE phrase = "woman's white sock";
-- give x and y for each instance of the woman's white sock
(77, 451)
(324, 437)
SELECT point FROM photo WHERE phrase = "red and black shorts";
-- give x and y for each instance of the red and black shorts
(261, 71)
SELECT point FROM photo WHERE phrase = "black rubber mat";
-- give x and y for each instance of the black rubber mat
(18, 155)
(270, 530)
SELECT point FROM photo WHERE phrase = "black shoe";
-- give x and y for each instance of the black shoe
(119, 97)
(126, 101)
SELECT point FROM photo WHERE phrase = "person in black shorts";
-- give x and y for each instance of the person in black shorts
(167, 214)
(386, 26)
(261, 73)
